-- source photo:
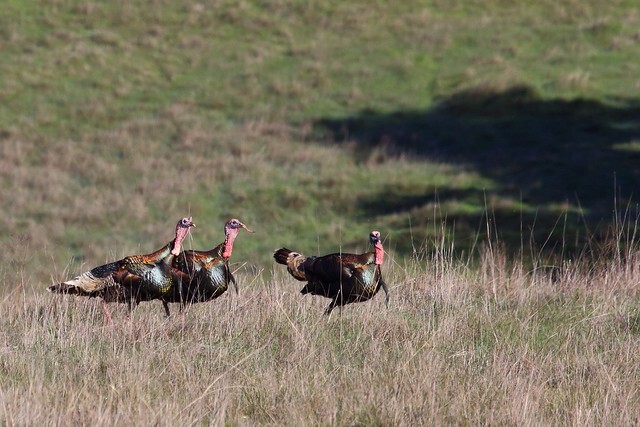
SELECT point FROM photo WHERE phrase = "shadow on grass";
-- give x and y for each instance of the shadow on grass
(580, 156)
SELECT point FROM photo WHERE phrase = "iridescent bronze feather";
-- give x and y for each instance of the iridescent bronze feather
(134, 278)
(345, 278)
(208, 271)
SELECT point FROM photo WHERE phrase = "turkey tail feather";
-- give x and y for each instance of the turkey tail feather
(89, 282)
(281, 255)
(66, 288)
(293, 261)
(81, 285)
(84, 284)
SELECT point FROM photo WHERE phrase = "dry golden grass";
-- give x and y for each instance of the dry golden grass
(490, 344)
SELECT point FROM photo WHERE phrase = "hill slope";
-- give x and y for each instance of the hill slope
(313, 122)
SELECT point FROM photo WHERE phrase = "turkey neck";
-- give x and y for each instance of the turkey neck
(181, 233)
(228, 242)
(379, 253)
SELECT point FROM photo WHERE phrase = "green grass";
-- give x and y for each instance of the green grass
(314, 123)
(107, 62)
(457, 128)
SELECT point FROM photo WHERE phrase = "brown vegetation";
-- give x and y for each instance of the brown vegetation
(491, 344)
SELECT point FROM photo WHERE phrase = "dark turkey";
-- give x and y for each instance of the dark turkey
(208, 271)
(132, 279)
(345, 278)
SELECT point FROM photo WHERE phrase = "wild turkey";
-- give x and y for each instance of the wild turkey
(209, 270)
(132, 279)
(345, 278)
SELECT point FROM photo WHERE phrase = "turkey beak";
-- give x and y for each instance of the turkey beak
(246, 228)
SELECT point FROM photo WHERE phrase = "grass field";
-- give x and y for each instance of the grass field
(458, 345)
(496, 146)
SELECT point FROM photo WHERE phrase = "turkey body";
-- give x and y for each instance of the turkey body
(345, 278)
(208, 271)
(132, 279)
(209, 276)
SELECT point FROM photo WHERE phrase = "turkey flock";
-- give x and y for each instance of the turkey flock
(173, 275)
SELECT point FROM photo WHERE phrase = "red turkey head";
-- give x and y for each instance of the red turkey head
(182, 229)
(231, 229)
(374, 238)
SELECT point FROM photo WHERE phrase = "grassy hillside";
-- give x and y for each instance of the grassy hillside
(501, 129)
(313, 122)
